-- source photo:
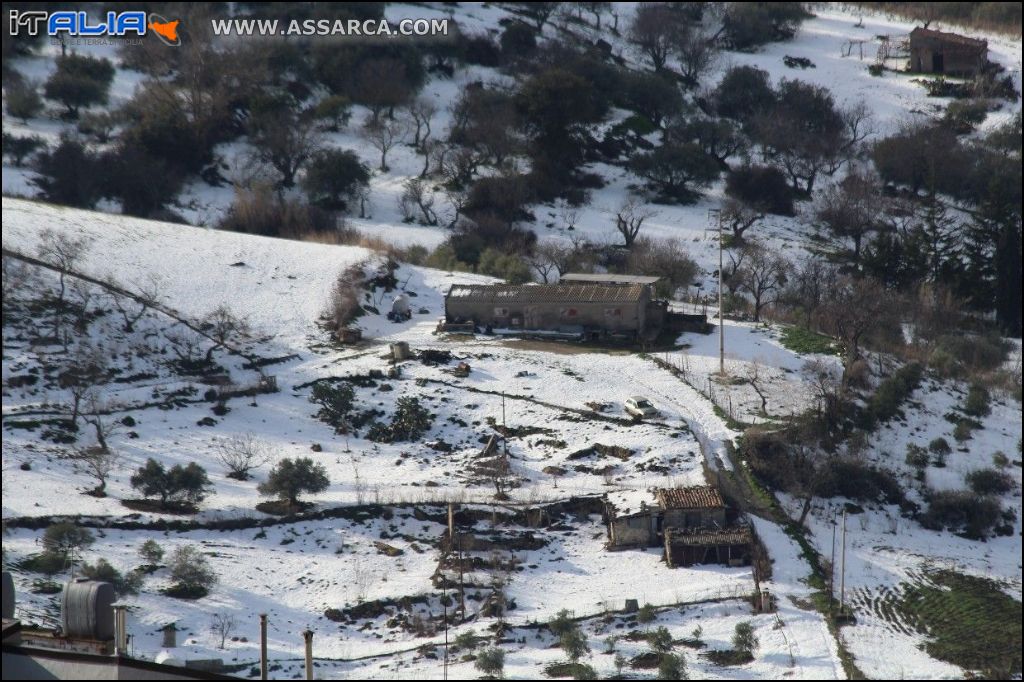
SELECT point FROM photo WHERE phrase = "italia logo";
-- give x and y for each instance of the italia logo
(78, 24)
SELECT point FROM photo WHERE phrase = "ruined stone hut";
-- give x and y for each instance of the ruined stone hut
(946, 53)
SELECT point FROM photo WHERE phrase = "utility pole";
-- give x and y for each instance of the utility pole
(832, 564)
(444, 605)
(715, 214)
(721, 308)
(842, 571)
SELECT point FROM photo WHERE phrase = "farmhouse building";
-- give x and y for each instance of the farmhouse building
(946, 53)
(727, 546)
(613, 308)
(634, 522)
(693, 525)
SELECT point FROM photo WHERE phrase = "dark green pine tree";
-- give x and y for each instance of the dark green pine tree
(1008, 278)
(992, 252)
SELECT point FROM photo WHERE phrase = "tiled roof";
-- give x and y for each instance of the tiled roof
(608, 279)
(498, 294)
(697, 497)
(702, 538)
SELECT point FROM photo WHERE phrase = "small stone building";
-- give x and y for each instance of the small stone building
(592, 310)
(946, 53)
(637, 523)
(726, 546)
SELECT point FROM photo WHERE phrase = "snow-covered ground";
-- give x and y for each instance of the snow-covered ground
(280, 288)
(295, 571)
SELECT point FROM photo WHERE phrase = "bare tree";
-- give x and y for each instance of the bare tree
(754, 377)
(569, 215)
(653, 30)
(98, 462)
(853, 208)
(762, 276)
(97, 414)
(186, 344)
(133, 309)
(696, 53)
(825, 387)
(417, 195)
(739, 217)
(422, 112)
(383, 136)
(82, 293)
(241, 454)
(223, 326)
(630, 218)
(16, 275)
(811, 281)
(84, 369)
(63, 253)
(855, 308)
(285, 142)
(222, 625)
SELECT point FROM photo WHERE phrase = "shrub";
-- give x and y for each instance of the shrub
(749, 24)
(964, 116)
(672, 667)
(917, 456)
(660, 639)
(17, 149)
(961, 511)
(1001, 460)
(890, 394)
(977, 402)
(507, 266)
(79, 81)
(336, 402)
(763, 188)
(23, 101)
(939, 446)
(490, 661)
(582, 671)
(859, 481)
(103, 571)
(744, 640)
(191, 572)
(188, 484)
(989, 482)
(466, 640)
(561, 623)
(574, 644)
(410, 421)
(334, 177)
(646, 614)
(958, 354)
(962, 431)
(288, 478)
(60, 539)
(151, 552)
(70, 174)
(261, 211)
(743, 93)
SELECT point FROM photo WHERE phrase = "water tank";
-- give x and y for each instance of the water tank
(400, 306)
(8, 610)
(87, 609)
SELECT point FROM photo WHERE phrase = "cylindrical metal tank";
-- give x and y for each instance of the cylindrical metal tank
(8, 605)
(87, 609)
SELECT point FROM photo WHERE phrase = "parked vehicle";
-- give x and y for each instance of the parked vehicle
(641, 407)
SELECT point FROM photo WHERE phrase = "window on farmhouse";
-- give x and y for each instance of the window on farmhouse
(613, 312)
(501, 312)
(568, 312)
